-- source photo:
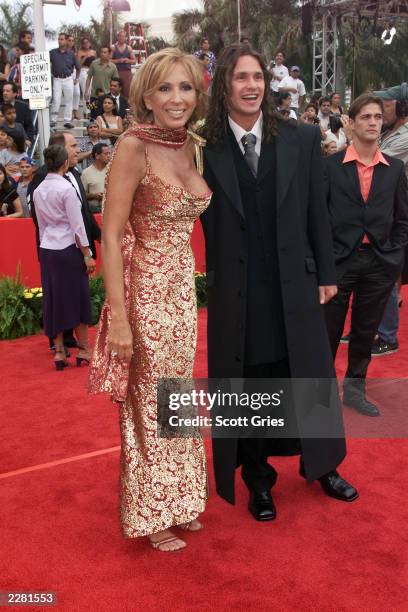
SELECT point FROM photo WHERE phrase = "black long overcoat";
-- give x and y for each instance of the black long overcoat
(305, 255)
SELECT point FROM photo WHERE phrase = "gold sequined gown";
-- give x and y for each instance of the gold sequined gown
(163, 481)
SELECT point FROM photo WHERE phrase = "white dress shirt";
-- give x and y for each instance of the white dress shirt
(74, 183)
(117, 100)
(256, 130)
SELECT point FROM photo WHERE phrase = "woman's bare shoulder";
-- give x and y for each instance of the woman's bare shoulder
(130, 151)
(130, 143)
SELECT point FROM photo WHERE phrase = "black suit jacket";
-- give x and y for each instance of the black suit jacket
(23, 116)
(305, 259)
(93, 231)
(383, 218)
(123, 105)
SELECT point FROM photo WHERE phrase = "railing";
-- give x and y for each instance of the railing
(32, 149)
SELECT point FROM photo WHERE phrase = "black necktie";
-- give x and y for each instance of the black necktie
(251, 156)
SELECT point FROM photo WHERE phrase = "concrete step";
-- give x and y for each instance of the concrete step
(79, 124)
(81, 114)
(76, 131)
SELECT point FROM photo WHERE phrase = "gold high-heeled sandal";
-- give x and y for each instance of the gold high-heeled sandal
(159, 543)
(188, 526)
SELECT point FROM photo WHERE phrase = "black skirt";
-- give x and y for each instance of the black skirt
(66, 301)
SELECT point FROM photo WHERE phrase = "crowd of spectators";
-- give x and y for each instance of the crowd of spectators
(290, 97)
(17, 131)
(85, 83)
(96, 84)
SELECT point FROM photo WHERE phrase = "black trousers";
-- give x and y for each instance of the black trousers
(370, 284)
(253, 453)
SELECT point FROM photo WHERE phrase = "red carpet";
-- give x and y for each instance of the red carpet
(59, 526)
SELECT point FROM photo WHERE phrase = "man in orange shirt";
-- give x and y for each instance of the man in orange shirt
(367, 199)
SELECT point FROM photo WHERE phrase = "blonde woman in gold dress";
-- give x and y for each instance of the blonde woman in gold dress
(147, 331)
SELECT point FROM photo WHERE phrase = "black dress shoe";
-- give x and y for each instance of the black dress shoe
(261, 506)
(361, 405)
(335, 486)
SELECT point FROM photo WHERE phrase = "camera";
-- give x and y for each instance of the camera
(335, 123)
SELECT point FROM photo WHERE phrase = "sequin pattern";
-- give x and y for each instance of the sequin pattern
(163, 481)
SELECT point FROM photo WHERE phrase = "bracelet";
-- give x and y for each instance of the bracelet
(87, 257)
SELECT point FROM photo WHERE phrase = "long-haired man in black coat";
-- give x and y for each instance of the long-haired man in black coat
(270, 268)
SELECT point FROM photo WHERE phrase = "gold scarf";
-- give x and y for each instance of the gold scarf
(169, 137)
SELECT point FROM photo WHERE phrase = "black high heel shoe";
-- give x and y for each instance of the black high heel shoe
(79, 361)
(60, 364)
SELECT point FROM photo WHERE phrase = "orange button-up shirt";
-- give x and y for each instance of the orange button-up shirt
(365, 172)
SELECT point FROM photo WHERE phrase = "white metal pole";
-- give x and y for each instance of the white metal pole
(39, 35)
(239, 19)
(111, 25)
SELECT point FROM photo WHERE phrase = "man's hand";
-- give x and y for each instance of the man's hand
(326, 293)
(347, 127)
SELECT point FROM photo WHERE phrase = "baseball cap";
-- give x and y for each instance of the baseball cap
(295, 68)
(28, 160)
(398, 92)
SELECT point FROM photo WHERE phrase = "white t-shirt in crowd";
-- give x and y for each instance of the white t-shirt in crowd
(340, 141)
(93, 181)
(324, 121)
(280, 71)
(293, 83)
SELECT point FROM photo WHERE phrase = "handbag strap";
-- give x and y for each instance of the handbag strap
(106, 123)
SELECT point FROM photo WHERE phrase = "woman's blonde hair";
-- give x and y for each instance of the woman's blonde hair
(154, 71)
(326, 147)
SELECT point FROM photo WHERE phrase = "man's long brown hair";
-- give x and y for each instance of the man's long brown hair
(216, 122)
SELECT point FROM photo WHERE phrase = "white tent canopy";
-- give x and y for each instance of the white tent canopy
(158, 13)
(146, 9)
